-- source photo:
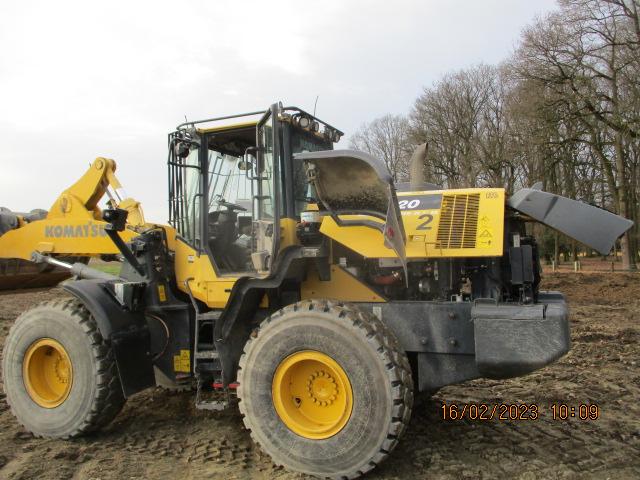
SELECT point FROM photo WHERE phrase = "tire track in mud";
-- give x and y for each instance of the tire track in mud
(160, 435)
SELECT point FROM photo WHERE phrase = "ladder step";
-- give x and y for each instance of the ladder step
(214, 398)
(206, 354)
(214, 315)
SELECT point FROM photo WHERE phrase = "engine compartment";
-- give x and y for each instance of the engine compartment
(512, 277)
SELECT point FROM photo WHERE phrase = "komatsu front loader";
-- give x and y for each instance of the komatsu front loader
(297, 280)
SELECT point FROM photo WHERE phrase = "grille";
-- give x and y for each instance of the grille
(458, 221)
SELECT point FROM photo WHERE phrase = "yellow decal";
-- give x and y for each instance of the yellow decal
(182, 362)
(162, 294)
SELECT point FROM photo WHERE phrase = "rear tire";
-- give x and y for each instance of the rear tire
(95, 394)
(364, 350)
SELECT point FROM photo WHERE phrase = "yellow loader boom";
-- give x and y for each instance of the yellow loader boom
(72, 227)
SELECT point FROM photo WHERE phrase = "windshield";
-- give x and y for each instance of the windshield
(304, 142)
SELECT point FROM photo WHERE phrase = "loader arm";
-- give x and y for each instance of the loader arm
(73, 225)
(81, 198)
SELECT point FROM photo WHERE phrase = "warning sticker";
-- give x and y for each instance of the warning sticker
(182, 362)
(485, 232)
(162, 294)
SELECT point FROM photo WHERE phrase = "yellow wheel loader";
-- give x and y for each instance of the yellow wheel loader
(300, 282)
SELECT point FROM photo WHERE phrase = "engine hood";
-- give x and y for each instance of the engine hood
(350, 182)
(593, 226)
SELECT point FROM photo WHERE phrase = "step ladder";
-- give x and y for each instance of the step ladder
(207, 369)
(210, 392)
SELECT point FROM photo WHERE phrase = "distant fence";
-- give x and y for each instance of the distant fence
(585, 264)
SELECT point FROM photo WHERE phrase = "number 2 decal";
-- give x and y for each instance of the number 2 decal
(428, 218)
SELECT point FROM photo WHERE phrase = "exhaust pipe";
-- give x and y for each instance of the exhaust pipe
(416, 167)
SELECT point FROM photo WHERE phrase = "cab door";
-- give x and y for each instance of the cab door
(267, 200)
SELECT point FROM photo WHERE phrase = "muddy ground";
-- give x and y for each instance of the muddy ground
(160, 434)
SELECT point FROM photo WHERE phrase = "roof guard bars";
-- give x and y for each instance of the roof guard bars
(215, 119)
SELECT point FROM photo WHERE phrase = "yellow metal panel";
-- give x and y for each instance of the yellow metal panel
(218, 292)
(234, 126)
(71, 236)
(288, 232)
(205, 285)
(171, 235)
(189, 266)
(477, 224)
(342, 286)
(366, 241)
(487, 235)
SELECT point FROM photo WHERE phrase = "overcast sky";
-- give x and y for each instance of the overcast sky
(85, 79)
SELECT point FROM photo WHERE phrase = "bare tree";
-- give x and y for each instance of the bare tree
(564, 110)
(386, 138)
(587, 55)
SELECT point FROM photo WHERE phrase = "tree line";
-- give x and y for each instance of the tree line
(563, 109)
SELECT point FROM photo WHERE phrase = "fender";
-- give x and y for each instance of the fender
(125, 330)
(231, 332)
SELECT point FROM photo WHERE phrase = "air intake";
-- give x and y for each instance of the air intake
(458, 221)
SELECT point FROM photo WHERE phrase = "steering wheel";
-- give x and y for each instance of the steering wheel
(231, 206)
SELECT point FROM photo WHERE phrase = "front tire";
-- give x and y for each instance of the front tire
(60, 377)
(325, 389)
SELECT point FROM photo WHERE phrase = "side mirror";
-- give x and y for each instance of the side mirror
(245, 164)
(182, 150)
(251, 163)
(249, 159)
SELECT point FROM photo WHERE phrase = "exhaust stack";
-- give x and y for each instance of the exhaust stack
(416, 167)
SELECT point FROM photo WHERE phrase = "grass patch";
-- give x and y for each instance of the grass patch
(112, 268)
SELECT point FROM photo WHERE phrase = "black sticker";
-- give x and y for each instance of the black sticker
(420, 202)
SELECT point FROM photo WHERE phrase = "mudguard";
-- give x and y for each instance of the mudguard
(593, 226)
(349, 182)
(125, 330)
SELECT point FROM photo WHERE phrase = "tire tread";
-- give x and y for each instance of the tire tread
(109, 397)
(391, 355)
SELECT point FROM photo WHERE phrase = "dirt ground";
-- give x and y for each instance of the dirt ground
(160, 435)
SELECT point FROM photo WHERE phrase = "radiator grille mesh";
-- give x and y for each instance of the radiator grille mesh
(458, 221)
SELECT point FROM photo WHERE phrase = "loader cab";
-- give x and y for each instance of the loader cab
(235, 190)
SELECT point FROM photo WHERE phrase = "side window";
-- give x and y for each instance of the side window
(193, 194)
(185, 195)
(300, 142)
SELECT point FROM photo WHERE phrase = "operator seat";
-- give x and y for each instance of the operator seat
(223, 233)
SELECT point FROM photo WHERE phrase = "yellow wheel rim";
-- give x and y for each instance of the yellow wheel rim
(312, 394)
(47, 372)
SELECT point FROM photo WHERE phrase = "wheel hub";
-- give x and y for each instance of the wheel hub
(322, 388)
(47, 372)
(312, 394)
